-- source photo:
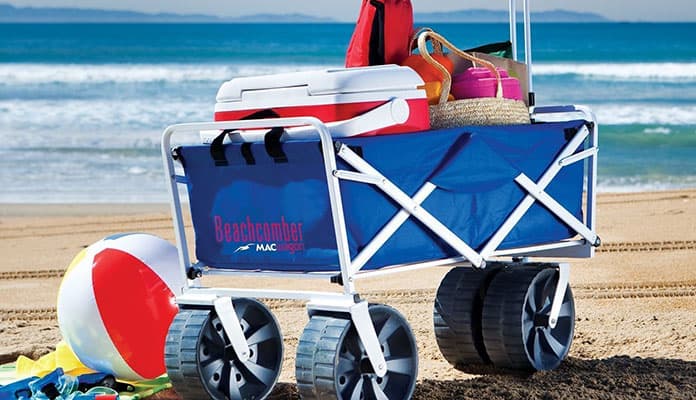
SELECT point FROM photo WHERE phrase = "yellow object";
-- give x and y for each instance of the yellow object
(433, 90)
(63, 357)
(78, 258)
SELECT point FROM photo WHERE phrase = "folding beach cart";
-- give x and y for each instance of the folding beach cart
(283, 197)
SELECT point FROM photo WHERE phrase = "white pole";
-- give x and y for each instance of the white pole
(528, 49)
(513, 27)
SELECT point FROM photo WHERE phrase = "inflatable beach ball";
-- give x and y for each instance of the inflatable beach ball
(116, 303)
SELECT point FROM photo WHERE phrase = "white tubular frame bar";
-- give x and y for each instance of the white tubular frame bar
(412, 207)
(528, 44)
(350, 269)
(512, 9)
(348, 302)
(528, 201)
(211, 297)
(329, 164)
(591, 152)
(526, 12)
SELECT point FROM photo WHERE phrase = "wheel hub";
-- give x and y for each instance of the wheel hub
(541, 320)
(219, 374)
(366, 366)
(229, 353)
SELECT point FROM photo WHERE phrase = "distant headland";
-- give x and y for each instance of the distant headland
(12, 14)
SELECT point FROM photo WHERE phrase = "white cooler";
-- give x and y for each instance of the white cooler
(373, 100)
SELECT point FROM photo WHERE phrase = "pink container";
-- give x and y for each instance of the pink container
(478, 82)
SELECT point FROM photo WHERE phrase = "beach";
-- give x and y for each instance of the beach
(635, 334)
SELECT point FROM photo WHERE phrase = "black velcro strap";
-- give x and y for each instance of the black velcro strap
(246, 153)
(217, 150)
(246, 147)
(274, 147)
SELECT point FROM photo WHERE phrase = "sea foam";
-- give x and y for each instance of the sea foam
(32, 74)
(644, 114)
(24, 74)
(636, 72)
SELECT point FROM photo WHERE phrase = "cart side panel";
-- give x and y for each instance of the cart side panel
(474, 170)
(257, 213)
(276, 216)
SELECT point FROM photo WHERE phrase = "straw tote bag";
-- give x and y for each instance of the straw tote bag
(478, 111)
(431, 75)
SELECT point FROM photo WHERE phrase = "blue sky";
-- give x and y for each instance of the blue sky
(346, 10)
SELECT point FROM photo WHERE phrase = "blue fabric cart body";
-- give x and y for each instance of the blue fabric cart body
(257, 213)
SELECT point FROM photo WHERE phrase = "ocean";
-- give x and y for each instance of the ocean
(82, 106)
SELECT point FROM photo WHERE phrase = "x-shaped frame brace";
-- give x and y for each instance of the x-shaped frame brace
(411, 206)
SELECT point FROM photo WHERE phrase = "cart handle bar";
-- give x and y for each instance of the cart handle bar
(195, 127)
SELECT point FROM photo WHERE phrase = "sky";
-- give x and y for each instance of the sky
(346, 10)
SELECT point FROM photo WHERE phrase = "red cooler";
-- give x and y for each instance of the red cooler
(330, 95)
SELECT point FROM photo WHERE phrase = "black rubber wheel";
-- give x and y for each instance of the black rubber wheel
(202, 364)
(515, 320)
(457, 316)
(331, 362)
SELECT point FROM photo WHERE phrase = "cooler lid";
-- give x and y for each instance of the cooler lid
(378, 78)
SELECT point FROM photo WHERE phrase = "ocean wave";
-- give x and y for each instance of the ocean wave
(89, 123)
(32, 74)
(645, 114)
(660, 130)
(121, 122)
(624, 184)
(633, 72)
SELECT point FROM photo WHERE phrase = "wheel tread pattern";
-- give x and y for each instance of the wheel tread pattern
(458, 305)
(181, 354)
(318, 371)
(502, 318)
(316, 350)
(182, 348)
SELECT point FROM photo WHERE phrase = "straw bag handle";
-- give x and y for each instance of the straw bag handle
(437, 46)
(447, 78)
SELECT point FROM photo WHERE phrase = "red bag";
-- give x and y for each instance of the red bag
(382, 34)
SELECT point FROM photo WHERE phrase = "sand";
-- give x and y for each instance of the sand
(636, 300)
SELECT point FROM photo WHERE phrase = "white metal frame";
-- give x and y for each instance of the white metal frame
(349, 302)
(512, 9)
(346, 302)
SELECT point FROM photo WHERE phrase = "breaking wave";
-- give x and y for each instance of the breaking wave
(32, 74)
(29, 74)
(625, 72)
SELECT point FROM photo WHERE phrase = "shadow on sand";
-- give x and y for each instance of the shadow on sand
(613, 378)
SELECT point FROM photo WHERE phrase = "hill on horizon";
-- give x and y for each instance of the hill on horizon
(483, 15)
(9, 13)
(12, 14)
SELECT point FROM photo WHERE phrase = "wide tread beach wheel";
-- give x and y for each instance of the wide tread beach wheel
(331, 361)
(202, 364)
(457, 316)
(515, 320)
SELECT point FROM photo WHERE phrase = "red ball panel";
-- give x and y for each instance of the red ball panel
(136, 307)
